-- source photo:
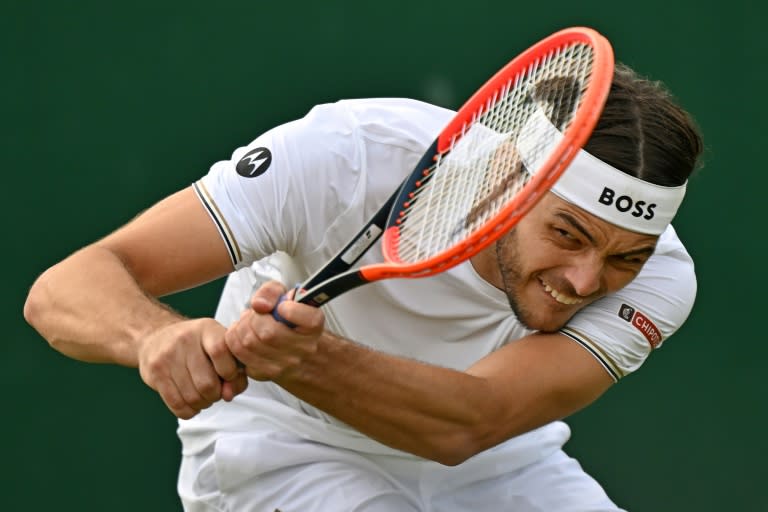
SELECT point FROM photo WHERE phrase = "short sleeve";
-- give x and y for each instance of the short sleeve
(278, 192)
(302, 186)
(623, 328)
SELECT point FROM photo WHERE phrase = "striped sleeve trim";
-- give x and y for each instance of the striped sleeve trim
(221, 223)
(612, 368)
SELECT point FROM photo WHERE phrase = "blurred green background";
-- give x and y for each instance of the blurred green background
(108, 107)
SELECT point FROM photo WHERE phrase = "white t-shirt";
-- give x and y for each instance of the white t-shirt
(315, 182)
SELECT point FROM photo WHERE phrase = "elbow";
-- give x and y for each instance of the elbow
(483, 429)
(459, 452)
(453, 458)
(34, 305)
(36, 308)
(458, 447)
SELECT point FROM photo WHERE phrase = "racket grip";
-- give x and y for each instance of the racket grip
(282, 298)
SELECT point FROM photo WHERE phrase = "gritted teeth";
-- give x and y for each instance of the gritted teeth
(560, 297)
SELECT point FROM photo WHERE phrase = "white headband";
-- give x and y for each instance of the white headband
(599, 188)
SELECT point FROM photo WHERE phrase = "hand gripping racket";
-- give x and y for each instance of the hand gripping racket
(472, 185)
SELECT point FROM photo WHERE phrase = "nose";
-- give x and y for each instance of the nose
(586, 273)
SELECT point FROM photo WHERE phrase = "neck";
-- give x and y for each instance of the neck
(486, 265)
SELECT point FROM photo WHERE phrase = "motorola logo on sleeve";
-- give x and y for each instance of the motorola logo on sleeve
(254, 163)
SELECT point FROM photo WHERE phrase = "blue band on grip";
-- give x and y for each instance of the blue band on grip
(282, 298)
(277, 316)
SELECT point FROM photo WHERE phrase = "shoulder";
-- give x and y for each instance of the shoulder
(668, 280)
(395, 121)
(623, 328)
(670, 245)
(342, 131)
(665, 289)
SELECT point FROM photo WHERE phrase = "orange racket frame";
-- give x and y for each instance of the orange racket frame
(336, 277)
(573, 140)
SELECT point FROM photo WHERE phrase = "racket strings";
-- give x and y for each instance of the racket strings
(468, 185)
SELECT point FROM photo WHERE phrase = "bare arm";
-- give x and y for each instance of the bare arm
(98, 304)
(437, 413)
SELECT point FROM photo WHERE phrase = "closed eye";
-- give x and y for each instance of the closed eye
(628, 262)
(566, 238)
(635, 258)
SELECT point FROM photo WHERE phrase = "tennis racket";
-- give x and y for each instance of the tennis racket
(472, 185)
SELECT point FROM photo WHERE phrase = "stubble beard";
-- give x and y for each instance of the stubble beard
(513, 278)
(510, 268)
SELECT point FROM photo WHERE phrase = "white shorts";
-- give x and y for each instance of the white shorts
(278, 471)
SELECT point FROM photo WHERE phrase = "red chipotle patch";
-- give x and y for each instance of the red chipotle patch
(642, 323)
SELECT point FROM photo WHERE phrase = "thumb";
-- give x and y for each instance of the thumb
(231, 388)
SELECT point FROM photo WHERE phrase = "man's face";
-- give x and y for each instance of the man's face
(560, 258)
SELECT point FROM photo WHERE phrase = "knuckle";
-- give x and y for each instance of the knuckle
(268, 333)
(317, 320)
(191, 396)
(252, 323)
(217, 350)
(210, 387)
(230, 375)
(231, 336)
(155, 367)
(182, 335)
(249, 341)
(235, 345)
(199, 404)
(176, 404)
(206, 386)
(239, 353)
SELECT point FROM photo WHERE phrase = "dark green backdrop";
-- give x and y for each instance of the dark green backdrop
(107, 108)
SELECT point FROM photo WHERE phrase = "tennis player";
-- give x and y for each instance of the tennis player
(439, 394)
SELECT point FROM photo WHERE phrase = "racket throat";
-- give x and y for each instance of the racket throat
(331, 288)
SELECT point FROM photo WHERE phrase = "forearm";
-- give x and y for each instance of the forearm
(89, 307)
(438, 413)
